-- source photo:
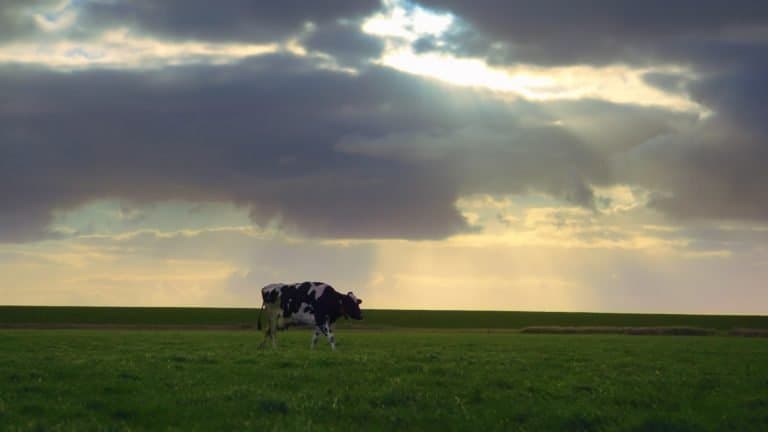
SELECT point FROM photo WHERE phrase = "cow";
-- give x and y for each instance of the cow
(312, 303)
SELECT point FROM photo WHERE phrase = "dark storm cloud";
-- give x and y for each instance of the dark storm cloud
(496, 159)
(612, 128)
(240, 20)
(712, 169)
(269, 133)
(670, 83)
(597, 31)
(717, 169)
(329, 27)
(345, 42)
(737, 94)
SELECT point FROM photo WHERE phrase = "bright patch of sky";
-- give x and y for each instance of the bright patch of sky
(535, 220)
(399, 19)
(400, 24)
(120, 48)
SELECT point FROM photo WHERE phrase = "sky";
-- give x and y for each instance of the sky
(580, 155)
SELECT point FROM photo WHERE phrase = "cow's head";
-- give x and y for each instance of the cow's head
(351, 306)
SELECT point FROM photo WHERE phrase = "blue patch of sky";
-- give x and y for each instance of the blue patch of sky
(114, 217)
(53, 15)
(82, 53)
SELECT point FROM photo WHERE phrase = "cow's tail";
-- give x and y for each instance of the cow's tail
(258, 323)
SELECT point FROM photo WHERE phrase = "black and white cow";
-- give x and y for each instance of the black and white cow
(310, 303)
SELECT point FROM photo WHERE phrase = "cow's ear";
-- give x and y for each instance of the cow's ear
(359, 301)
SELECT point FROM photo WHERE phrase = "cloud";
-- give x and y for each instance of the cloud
(140, 34)
(495, 158)
(376, 153)
(379, 154)
(671, 83)
(553, 32)
(222, 133)
(214, 267)
(699, 169)
(18, 17)
(712, 172)
(232, 20)
(345, 42)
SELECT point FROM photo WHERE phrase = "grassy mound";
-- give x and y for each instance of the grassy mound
(654, 331)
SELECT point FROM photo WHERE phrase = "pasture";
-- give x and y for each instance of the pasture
(234, 318)
(73, 380)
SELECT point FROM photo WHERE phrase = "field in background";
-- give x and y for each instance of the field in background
(392, 380)
(374, 319)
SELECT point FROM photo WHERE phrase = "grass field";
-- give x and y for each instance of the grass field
(73, 380)
(392, 375)
(376, 319)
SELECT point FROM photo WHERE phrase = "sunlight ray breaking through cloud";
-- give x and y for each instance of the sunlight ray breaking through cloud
(403, 23)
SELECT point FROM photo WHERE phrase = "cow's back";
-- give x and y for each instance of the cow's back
(299, 303)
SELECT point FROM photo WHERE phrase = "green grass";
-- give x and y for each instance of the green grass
(127, 315)
(517, 320)
(395, 380)
(243, 317)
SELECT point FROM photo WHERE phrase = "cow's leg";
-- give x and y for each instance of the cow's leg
(326, 330)
(267, 332)
(264, 342)
(329, 334)
(273, 329)
(314, 337)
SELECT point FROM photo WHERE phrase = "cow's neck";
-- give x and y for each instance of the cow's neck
(341, 312)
